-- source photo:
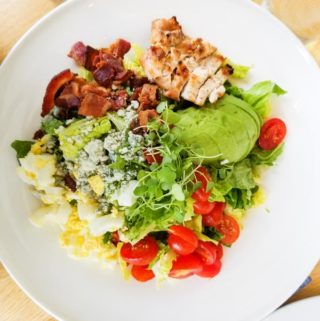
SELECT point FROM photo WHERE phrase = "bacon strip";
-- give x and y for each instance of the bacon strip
(118, 99)
(119, 48)
(145, 116)
(148, 97)
(78, 53)
(52, 89)
(92, 56)
(94, 105)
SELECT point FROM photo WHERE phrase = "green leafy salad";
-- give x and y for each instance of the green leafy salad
(148, 162)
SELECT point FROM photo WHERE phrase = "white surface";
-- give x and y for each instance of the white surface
(308, 309)
(275, 252)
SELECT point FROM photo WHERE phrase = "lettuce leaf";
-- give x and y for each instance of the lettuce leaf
(74, 137)
(239, 71)
(22, 147)
(50, 124)
(259, 95)
(131, 60)
(234, 184)
(164, 264)
(85, 74)
(259, 156)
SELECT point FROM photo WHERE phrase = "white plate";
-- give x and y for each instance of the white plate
(275, 252)
(308, 309)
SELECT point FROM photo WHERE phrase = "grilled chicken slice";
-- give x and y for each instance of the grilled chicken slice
(166, 32)
(182, 66)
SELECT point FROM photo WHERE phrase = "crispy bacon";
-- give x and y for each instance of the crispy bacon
(74, 87)
(148, 97)
(67, 101)
(92, 55)
(115, 63)
(118, 99)
(78, 53)
(70, 95)
(104, 75)
(53, 87)
(136, 93)
(94, 105)
(119, 48)
(123, 76)
(145, 116)
(135, 81)
(96, 89)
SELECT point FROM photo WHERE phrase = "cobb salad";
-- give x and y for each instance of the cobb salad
(148, 159)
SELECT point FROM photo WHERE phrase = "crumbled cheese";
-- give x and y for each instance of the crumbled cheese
(125, 195)
(121, 112)
(135, 104)
(96, 151)
(134, 140)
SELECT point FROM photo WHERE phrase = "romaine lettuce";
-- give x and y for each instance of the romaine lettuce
(74, 137)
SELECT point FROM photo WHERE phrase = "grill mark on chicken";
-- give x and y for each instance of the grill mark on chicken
(182, 66)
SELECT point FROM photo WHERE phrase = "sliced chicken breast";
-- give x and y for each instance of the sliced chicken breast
(182, 66)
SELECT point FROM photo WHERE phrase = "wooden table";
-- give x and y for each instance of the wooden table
(14, 304)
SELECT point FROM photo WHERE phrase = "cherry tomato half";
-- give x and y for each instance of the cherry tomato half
(219, 251)
(203, 176)
(141, 253)
(210, 271)
(203, 208)
(207, 252)
(182, 240)
(201, 195)
(229, 227)
(142, 273)
(185, 266)
(272, 133)
(151, 158)
(215, 216)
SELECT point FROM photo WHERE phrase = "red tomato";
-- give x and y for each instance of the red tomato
(207, 251)
(182, 239)
(203, 176)
(152, 157)
(142, 273)
(210, 271)
(229, 227)
(203, 208)
(201, 195)
(141, 253)
(215, 216)
(272, 133)
(219, 251)
(185, 265)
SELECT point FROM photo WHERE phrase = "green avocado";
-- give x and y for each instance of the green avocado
(226, 130)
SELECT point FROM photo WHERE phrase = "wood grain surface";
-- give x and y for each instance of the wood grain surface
(19, 16)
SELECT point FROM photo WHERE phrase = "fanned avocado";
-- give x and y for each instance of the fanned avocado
(226, 130)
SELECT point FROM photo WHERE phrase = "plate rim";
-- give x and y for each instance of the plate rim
(270, 307)
(290, 306)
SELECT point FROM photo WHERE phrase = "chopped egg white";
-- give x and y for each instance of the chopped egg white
(58, 213)
(107, 223)
(52, 195)
(87, 211)
(38, 170)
